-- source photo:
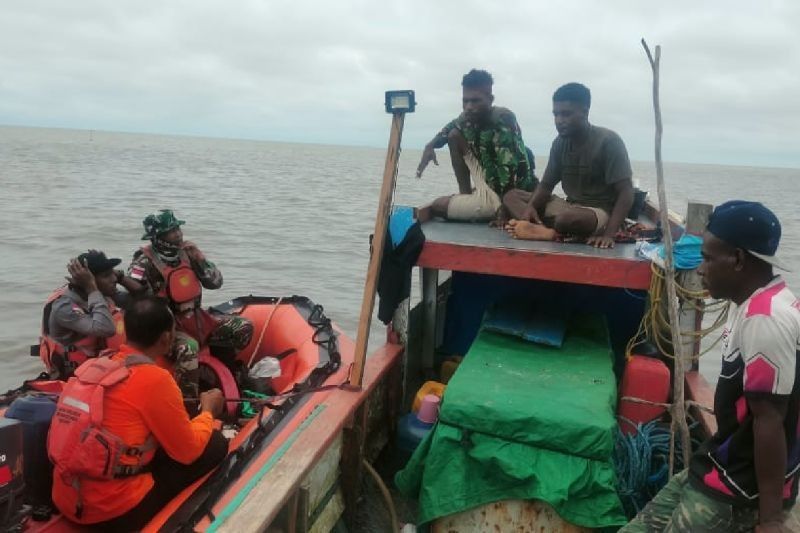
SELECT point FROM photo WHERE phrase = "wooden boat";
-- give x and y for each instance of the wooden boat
(310, 463)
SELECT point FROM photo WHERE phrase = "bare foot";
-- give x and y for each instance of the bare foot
(521, 229)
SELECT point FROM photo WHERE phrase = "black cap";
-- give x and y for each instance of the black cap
(749, 226)
(97, 262)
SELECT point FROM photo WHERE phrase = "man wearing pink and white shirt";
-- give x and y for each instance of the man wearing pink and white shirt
(745, 476)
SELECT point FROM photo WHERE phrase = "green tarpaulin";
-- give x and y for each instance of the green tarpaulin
(525, 421)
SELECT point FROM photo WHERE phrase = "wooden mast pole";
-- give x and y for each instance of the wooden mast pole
(678, 409)
(376, 250)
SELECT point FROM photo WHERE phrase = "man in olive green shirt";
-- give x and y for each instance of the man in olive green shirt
(592, 165)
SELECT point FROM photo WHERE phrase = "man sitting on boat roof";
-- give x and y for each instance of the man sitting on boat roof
(177, 270)
(745, 476)
(592, 165)
(151, 449)
(486, 145)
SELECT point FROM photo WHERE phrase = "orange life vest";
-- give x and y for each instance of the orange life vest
(181, 285)
(77, 443)
(184, 291)
(76, 352)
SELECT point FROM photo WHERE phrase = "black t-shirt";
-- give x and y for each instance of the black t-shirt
(759, 360)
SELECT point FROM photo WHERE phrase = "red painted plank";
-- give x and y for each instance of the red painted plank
(699, 390)
(532, 264)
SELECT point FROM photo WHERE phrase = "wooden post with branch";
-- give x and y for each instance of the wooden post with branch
(376, 252)
(678, 408)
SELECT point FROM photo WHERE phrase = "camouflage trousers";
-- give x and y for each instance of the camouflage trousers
(231, 332)
(679, 508)
(185, 369)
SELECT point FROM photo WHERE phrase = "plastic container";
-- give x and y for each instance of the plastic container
(647, 379)
(449, 368)
(11, 471)
(414, 427)
(429, 387)
(35, 413)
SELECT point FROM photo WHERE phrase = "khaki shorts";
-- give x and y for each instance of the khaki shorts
(557, 205)
(481, 205)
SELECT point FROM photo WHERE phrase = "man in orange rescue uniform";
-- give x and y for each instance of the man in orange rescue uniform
(155, 450)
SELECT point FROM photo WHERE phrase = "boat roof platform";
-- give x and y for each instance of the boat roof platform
(478, 248)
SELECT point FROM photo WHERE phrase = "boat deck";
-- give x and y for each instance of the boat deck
(475, 247)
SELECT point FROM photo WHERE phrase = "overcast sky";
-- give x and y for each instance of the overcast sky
(294, 70)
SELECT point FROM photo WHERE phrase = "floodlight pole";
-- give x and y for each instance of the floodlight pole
(376, 250)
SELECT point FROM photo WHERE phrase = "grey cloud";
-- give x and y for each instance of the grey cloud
(316, 71)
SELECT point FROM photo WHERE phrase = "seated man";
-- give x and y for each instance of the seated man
(486, 145)
(81, 319)
(178, 271)
(161, 451)
(745, 476)
(593, 167)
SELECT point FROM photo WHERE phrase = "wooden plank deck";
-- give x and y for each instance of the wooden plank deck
(470, 247)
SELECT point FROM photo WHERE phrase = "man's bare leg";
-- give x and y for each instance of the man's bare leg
(576, 221)
(437, 208)
(515, 202)
(458, 149)
(525, 230)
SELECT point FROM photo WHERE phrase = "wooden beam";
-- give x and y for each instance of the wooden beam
(691, 309)
(355, 437)
(700, 391)
(531, 264)
(376, 252)
(430, 289)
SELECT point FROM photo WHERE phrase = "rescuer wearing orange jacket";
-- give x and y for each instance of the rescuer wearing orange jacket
(159, 450)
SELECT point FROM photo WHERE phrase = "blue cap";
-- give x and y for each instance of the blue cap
(749, 226)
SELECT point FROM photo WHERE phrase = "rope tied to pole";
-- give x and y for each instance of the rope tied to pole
(679, 426)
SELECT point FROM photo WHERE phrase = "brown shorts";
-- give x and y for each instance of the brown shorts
(557, 205)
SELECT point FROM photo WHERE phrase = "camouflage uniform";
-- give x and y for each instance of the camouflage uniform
(680, 508)
(231, 332)
(499, 149)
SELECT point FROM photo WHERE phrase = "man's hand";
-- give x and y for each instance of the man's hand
(531, 215)
(193, 252)
(601, 241)
(428, 155)
(212, 401)
(80, 276)
(772, 527)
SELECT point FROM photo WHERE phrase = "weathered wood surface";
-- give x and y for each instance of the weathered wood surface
(376, 252)
(700, 391)
(519, 516)
(605, 272)
(260, 507)
(430, 288)
(691, 309)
